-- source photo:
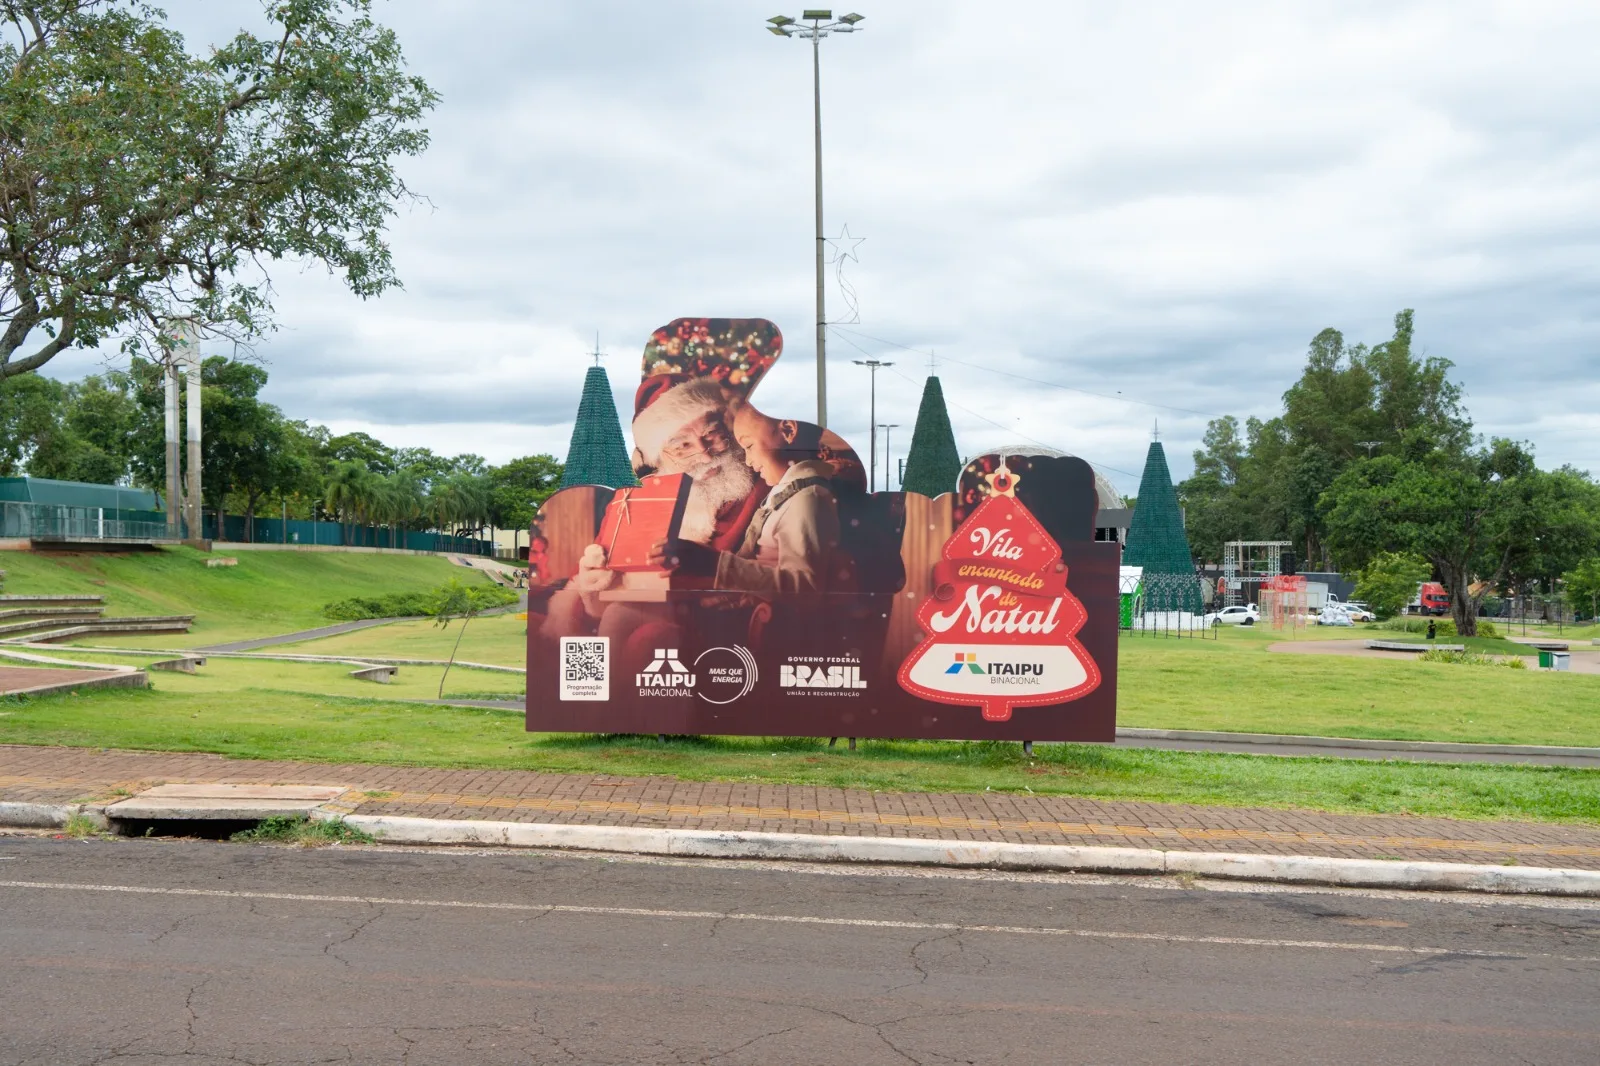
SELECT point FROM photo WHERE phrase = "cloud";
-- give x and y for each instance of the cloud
(1165, 202)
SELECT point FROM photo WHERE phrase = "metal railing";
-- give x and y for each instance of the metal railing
(45, 521)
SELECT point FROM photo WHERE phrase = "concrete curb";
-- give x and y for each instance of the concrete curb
(1284, 739)
(805, 847)
(48, 815)
(1293, 869)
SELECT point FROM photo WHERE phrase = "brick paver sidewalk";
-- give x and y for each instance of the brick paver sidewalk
(59, 775)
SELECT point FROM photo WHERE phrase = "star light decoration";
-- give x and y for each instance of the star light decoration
(843, 248)
(1002, 482)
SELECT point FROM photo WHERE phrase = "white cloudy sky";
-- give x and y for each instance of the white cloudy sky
(1158, 203)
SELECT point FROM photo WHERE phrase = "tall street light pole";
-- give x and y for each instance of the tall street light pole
(821, 23)
(888, 461)
(872, 418)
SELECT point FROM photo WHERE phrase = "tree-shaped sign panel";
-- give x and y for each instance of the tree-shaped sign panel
(1001, 624)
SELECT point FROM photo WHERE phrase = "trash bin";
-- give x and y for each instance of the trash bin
(1544, 660)
(1560, 660)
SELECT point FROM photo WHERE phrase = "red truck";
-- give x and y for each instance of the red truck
(1431, 599)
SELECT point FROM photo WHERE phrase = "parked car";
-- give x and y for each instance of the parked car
(1359, 612)
(1247, 615)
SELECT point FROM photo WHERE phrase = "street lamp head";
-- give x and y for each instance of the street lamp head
(780, 31)
(780, 20)
(851, 19)
(819, 14)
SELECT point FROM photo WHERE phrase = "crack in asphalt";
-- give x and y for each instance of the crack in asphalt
(331, 949)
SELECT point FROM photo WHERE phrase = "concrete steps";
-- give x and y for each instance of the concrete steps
(8, 600)
(109, 626)
(50, 612)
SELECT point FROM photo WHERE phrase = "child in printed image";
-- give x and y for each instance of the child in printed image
(793, 536)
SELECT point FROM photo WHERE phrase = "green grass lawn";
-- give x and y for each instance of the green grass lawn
(222, 678)
(1234, 683)
(498, 639)
(266, 594)
(278, 724)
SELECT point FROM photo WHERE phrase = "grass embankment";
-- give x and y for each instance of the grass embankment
(1234, 683)
(286, 725)
(497, 639)
(267, 593)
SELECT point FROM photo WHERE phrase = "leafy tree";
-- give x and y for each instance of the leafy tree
(362, 448)
(457, 600)
(1390, 581)
(1583, 587)
(77, 431)
(1212, 515)
(140, 184)
(304, 446)
(245, 445)
(30, 419)
(1350, 400)
(1571, 501)
(1470, 514)
(519, 488)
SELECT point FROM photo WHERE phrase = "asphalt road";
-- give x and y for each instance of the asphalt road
(141, 952)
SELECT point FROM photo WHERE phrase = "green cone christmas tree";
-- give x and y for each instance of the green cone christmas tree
(933, 464)
(1157, 542)
(597, 454)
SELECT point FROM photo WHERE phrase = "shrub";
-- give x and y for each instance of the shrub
(1443, 627)
(297, 829)
(1470, 658)
(1390, 580)
(411, 604)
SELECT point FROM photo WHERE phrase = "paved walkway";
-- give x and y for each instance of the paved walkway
(60, 775)
(305, 634)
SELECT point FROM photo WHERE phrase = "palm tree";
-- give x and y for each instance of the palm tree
(402, 501)
(459, 503)
(348, 493)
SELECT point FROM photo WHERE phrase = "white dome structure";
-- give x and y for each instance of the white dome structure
(1109, 497)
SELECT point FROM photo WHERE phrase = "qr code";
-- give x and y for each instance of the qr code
(584, 660)
(585, 668)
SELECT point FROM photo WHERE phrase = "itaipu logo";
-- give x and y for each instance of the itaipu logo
(965, 660)
(665, 675)
(999, 673)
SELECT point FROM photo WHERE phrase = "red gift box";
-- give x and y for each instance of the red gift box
(637, 518)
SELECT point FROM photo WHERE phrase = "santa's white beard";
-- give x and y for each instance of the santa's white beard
(716, 483)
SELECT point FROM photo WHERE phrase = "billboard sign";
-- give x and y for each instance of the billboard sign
(751, 585)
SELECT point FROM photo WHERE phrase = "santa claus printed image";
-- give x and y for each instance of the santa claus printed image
(762, 518)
